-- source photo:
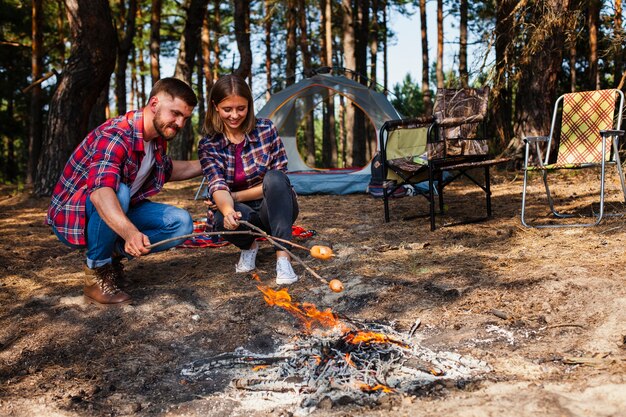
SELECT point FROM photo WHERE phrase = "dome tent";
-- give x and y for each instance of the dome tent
(288, 107)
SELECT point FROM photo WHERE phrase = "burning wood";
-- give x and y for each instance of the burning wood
(336, 359)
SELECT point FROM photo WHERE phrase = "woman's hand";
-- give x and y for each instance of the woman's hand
(231, 220)
(210, 204)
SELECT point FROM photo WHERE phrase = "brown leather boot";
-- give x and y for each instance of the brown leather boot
(120, 276)
(101, 287)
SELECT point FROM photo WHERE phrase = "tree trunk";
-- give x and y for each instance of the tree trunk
(618, 42)
(309, 123)
(539, 76)
(267, 27)
(206, 46)
(242, 35)
(329, 138)
(155, 41)
(349, 58)
(501, 107)
(291, 55)
(572, 64)
(98, 113)
(125, 45)
(36, 118)
(385, 44)
(439, 67)
(200, 78)
(428, 100)
(182, 147)
(86, 73)
(373, 42)
(190, 40)
(217, 51)
(594, 18)
(463, 75)
(359, 147)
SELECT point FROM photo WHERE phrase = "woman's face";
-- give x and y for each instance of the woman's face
(233, 111)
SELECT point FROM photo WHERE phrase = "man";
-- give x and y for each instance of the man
(101, 200)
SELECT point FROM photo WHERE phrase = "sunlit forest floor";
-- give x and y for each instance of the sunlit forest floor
(544, 308)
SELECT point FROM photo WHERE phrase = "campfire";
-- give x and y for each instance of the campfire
(339, 359)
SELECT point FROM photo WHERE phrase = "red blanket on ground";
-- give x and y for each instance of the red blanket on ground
(217, 241)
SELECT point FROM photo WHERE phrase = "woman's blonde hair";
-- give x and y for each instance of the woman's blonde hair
(224, 87)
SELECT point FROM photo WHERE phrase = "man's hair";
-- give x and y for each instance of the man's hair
(175, 88)
(224, 87)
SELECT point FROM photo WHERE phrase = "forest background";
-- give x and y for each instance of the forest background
(67, 65)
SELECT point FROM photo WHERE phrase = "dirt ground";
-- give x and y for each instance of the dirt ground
(544, 308)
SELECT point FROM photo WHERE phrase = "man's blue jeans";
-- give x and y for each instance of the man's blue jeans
(156, 220)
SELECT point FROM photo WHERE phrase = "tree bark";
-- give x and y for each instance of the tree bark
(385, 44)
(329, 138)
(439, 67)
(206, 47)
(349, 58)
(36, 118)
(501, 107)
(463, 75)
(428, 100)
(86, 73)
(539, 77)
(125, 45)
(618, 35)
(360, 137)
(309, 123)
(181, 147)
(155, 41)
(594, 19)
(242, 35)
(291, 15)
(267, 28)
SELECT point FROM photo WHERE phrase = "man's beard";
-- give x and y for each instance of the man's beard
(160, 127)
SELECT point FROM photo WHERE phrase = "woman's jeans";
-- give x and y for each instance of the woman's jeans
(275, 213)
(156, 220)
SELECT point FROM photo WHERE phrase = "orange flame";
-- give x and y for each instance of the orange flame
(368, 388)
(348, 359)
(259, 367)
(370, 337)
(307, 313)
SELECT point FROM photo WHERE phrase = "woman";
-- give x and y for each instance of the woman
(244, 161)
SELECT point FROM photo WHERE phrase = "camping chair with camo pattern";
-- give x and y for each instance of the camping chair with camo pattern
(451, 144)
(589, 138)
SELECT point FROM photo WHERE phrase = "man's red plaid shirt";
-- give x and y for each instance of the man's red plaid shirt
(110, 154)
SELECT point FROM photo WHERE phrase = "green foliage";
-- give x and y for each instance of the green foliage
(408, 99)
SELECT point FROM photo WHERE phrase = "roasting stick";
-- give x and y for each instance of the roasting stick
(226, 232)
(335, 285)
(272, 240)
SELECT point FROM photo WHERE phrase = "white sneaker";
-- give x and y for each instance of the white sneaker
(247, 260)
(284, 271)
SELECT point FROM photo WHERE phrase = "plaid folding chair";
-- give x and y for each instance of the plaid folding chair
(589, 138)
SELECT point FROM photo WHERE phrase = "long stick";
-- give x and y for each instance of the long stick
(226, 232)
(281, 247)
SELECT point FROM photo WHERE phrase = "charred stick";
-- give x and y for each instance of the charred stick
(281, 247)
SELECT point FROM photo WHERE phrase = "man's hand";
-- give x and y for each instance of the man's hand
(136, 244)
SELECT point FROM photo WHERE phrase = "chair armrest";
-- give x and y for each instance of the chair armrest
(610, 132)
(457, 121)
(412, 122)
(535, 139)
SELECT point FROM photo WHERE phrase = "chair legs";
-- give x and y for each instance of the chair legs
(597, 217)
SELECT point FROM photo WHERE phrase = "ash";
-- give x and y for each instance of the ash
(355, 366)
